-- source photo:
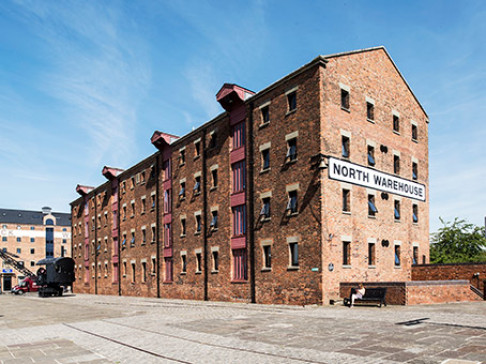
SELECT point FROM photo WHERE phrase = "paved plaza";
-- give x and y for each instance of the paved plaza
(105, 329)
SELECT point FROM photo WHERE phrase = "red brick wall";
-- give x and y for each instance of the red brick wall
(468, 271)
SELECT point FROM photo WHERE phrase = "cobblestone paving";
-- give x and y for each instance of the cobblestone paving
(106, 329)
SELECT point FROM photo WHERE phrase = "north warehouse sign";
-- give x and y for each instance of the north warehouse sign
(340, 170)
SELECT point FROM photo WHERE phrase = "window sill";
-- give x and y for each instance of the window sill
(396, 132)
(198, 272)
(213, 188)
(415, 223)
(182, 273)
(167, 282)
(398, 267)
(183, 236)
(266, 219)
(371, 217)
(264, 125)
(196, 157)
(182, 164)
(142, 213)
(263, 171)
(346, 266)
(414, 140)
(266, 270)
(131, 217)
(292, 214)
(181, 199)
(214, 230)
(346, 212)
(292, 161)
(152, 242)
(372, 267)
(290, 112)
(239, 281)
(197, 233)
(398, 221)
(197, 193)
(143, 244)
(214, 271)
(345, 109)
(292, 268)
(370, 120)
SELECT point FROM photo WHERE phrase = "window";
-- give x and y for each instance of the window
(124, 241)
(99, 221)
(124, 269)
(213, 141)
(132, 204)
(238, 135)
(415, 213)
(346, 200)
(182, 191)
(214, 177)
(198, 263)
(370, 111)
(215, 255)
(371, 156)
(19, 250)
(152, 201)
(265, 159)
(92, 223)
(267, 256)
(152, 228)
(197, 149)
(143, 205)
(292, 101)
(132, 241)
(168, 235)
(167, 200)
(397, 209)
(346, 253)
(414, 171)
(294, 254)
(32, 263)
(265, 211)
(396, 123)
(239, 264)
(371, 254)
(183, 227)
(291, 150)
(124, 210)
(133, 273)
(397, 255)
(345, 99)
(142, 177)
(4, 238)
(182, 157)
(214, 220)
(183, 263)
(345, 146)
(198, 224)
(19, 239)
(396, 164)
(154, 266)
(168, 269)
(238, 170)
(167, 169)
(144, 236)
(197, 185)
(32, 240)
(239, 220)
(132, 183)
(415, 255)
(371, 206)
(265, 113)
(123, 187)
(292, 202)
(414, 132)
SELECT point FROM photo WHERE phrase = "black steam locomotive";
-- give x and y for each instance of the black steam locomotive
(55, 277)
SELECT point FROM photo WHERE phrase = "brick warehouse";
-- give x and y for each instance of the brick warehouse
(319, 179)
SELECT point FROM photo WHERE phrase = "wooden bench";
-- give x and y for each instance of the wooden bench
(371, 295)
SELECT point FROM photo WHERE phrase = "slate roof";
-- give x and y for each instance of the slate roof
(27, 217)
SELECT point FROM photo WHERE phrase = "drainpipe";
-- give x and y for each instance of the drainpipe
(119, 235)
(157, 221)
(251, 205)
(96, 242)
(205, 216)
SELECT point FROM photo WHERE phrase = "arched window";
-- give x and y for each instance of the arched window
(49, 222)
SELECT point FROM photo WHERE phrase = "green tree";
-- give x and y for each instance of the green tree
(458, 242)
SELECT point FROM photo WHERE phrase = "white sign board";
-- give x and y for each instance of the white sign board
(340, 170)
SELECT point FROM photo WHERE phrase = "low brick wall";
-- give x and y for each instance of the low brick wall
(419, 292)
(475, 273)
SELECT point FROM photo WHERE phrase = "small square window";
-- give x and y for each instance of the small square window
(267, 257)
(345, 146)
(19, 239)
(370, 111)
(396, 123)
(291, 150)
(4, 238)
(397, 209)
(265, 114)
(371, 206)
(345, 99)
(346, 200)
(346, 253)
(396, 164)
(292, 101)
(32, 240)
(19, 250)
(265, 159)
(294, 254)
(292, 203)
(32, 251)
(371, 156)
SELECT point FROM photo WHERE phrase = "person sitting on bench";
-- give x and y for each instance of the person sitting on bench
(356, 293)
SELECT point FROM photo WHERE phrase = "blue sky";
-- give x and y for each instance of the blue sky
(85, 83)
